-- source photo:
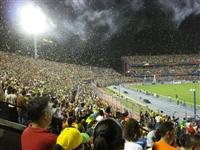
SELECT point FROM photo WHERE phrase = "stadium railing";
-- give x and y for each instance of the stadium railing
(10, 135)
(121, 103)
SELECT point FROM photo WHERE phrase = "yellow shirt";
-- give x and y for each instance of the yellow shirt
(74, 124)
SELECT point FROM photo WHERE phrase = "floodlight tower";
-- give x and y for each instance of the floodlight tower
(33, 21)
(194, 96)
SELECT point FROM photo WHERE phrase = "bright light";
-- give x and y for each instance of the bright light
(33, 20)
(192, 90)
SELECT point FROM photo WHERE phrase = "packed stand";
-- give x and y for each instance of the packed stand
(164, 66)
(99, 127)
(166, 71)
(79, 119)
(53, 76)
(84, 123)
(163, 59)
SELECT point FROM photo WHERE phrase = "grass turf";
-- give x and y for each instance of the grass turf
(182, 90)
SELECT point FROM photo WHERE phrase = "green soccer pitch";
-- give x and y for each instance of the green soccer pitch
(171, 90)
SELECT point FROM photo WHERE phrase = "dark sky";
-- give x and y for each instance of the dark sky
(112, 28)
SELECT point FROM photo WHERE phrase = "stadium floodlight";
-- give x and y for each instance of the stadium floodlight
(33, 21)
(194, 96)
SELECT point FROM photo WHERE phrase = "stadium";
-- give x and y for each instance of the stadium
(93, 75)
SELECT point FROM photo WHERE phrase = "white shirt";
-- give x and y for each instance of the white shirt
(157, 119)
(99, 118)
(11, 98)
(132, 146)
(150, 136)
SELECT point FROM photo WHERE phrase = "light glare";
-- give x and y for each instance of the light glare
(33, 20)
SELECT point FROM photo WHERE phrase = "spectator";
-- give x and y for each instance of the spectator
(1, 92)
(185, 142)
(167, 133)
(36, 136)
(196, 142)
(100, 116)
(151, 135)
(157, 118)
(71, 139)
(132, 134)
(190, 129)
(108, 135)
(141, 118)
(21, 101)
(108, 112)
(11, 100)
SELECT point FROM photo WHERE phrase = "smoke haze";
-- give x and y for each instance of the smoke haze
(112, 28)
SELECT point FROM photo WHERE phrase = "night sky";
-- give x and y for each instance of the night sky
(101, 31)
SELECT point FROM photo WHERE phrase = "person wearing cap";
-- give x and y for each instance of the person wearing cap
(37, 136)
(71, 139)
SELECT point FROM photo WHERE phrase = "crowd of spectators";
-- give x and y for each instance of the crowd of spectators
(181, 67)
(166, 71)
(61, 111)
(92, 124)
(162, 59)
(56, 77)
(96, 126)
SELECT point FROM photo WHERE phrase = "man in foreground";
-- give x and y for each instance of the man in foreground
(36, 136)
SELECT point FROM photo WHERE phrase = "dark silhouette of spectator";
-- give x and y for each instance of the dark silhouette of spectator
(108, 112)
(142, 118)
(108, 135)
(20, 102)
(132, 134)
(185, 141)
(196, 142)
